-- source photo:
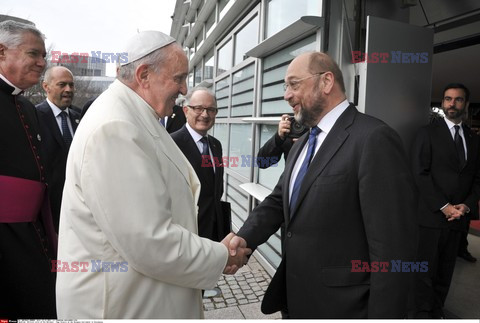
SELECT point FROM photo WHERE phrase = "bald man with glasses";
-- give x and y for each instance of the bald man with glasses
(204, 152)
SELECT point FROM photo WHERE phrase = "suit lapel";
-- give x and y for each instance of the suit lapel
(53, 125)
(471, 151)
(74, 120)
(332, 143)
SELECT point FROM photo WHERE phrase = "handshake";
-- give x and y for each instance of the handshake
(237, 253)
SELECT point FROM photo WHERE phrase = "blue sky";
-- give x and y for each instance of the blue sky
(92, 25)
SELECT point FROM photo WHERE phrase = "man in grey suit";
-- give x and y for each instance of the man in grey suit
(58, 122)
(347, 200)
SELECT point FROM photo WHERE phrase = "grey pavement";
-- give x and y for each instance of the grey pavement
(243, 292)
(242, 295)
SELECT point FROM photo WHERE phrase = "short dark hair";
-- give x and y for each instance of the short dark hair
(458, 86)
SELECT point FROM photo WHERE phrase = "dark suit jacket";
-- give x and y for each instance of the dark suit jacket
(439, 177)
(55, 151)
(177, 120)
(271, 152)
(356, 203)
(211, 219)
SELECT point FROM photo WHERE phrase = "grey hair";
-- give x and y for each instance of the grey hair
(196, 89)
(12, 32)
(154, 61)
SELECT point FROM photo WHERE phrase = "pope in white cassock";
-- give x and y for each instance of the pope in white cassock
(130, 198)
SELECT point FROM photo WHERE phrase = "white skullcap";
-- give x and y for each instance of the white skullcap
(144, 43)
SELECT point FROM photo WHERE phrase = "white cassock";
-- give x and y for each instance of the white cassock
(130, 198)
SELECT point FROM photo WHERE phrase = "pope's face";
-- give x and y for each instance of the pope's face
(24, 64)
(170, 81)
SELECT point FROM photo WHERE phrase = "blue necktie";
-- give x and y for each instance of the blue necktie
(67, 135)
(312, 140)
(162, 121)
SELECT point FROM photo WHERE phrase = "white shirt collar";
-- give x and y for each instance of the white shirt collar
(56, 110)
(328, 121)
(195, 135)
(450, 124)
(16, 90)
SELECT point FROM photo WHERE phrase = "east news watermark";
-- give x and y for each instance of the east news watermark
(59, 57)
(392, 57)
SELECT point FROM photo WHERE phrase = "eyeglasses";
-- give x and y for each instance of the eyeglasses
(450, 99)
(295, 84)
(198, 109)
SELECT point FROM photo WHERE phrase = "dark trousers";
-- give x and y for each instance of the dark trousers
(462, 246)
(439, 247)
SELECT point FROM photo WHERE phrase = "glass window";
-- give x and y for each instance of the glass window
(209, 24)
(224, 61)
(269, 177)
(222, 94)
(238, 200)
(209, 65)
(220, 131)
(198, 40)
(198, 75)
(242, 92)
(281, 13)
(241, 149)
(190, 80)
(274, 69)
(221, 5)
(246, 39)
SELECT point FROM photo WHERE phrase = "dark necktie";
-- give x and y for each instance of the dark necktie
(206, 155)
(67, 135)
(459, 145)
(162, 121)
(312, 140)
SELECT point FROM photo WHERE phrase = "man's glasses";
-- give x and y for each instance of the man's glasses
(295, 84)
(198, 109)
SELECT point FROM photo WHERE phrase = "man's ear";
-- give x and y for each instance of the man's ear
(142, 75)
(45, 86)
(185, 109)
(3, 48)
(328, 81)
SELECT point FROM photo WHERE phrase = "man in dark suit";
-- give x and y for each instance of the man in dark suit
(58, 122)
(199, 148)
(347, 199)
(176, 120)
(446, 168)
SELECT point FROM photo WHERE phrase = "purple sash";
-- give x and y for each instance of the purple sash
(22, 200)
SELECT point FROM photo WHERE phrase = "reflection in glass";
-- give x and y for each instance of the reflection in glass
(241, 148)
(246, 39)
(269, 177)
(281, 13)
(225, 58)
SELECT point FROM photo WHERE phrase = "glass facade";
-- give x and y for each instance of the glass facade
(247, 87)
(281, 13)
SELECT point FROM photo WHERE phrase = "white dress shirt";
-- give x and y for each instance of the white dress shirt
(325, 125)
(56, 112)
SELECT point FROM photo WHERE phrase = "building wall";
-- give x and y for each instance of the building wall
(241, 48)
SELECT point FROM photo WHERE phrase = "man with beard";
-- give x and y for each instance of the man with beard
(446, 168)
(58, 122)
(347, 200)
(27, 237)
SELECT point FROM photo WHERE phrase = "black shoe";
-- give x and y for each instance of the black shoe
(467, 256)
